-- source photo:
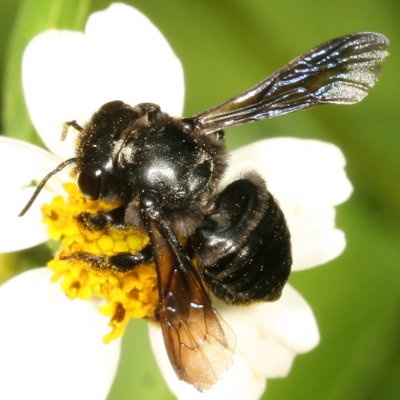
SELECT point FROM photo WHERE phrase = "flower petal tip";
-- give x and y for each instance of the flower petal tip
(59, 332)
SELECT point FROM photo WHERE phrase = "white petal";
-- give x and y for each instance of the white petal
(22, 164)
(239, 382)
(51, 347)
(269, 335)
(140, 66)
(297, 171)
(315, 240)
(121, 56)
(54, 86)
(307, 178)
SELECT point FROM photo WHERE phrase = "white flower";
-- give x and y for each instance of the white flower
(54, 343)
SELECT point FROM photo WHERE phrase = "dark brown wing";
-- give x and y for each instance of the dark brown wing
(199, 343)
(340, 71)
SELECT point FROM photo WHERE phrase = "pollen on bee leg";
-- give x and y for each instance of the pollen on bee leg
(81, 264)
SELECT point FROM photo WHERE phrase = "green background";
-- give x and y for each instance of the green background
(226, 46)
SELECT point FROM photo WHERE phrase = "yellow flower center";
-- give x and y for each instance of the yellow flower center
(131, 294)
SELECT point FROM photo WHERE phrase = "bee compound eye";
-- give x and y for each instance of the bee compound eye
(90, 182)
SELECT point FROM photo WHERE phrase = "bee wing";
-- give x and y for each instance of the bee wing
(340, 71)
(199, 343)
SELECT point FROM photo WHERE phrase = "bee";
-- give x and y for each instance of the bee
(165, 173)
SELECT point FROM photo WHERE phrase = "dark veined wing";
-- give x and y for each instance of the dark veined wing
(340, 71)
(199, 343)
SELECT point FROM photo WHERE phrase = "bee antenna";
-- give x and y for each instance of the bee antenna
(43, 182)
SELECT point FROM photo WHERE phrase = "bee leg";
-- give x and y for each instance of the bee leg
(243, 245)
(70, 124)
(97, 222)
(120, 262)
(74, 124)
(126, 261)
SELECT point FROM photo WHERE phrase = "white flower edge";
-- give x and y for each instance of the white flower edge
(121, 55)
(268, 337)
(23, 166)
(51, 347)
(307, 177)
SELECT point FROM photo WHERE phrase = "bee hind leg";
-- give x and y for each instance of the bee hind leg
(119, 262)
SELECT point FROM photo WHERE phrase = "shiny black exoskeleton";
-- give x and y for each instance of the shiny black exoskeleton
(239, 236)
(165, 173)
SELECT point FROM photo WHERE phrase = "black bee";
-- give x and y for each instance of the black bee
(165, 171)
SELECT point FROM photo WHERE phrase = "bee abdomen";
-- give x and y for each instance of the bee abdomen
(244, 246)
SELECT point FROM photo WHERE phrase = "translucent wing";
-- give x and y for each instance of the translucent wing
(199, 343)
(340, 71)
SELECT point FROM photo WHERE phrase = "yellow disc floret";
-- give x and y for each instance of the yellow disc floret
(81, 263)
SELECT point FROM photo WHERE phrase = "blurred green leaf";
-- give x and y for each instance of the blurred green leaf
(138, 372)
(34, 16)
(8, 11)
